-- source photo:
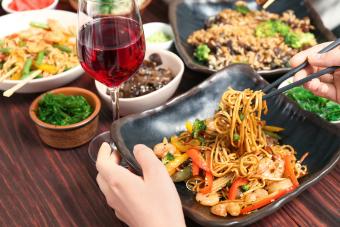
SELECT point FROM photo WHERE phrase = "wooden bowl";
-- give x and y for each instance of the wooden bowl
(74, 4)
(70, 136)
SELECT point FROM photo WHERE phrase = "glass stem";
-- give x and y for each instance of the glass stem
(115, 98)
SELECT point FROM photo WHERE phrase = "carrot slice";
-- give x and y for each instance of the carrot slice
(269, 199)
(234, 187)
(289, 170)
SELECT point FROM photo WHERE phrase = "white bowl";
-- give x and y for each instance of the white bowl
(152, 28)
(155, 98)
(289, 81)
(5, 4)
(16, 22)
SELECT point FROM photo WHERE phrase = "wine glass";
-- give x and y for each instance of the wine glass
(110, 45)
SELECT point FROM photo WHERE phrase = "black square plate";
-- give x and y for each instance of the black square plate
(186, 16)
(304, 131)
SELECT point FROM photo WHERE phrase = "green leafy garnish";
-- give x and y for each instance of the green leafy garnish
(39, 25)
(272, 134)
(63, 110)
(295, 40)
(245, 187)
(236, 137)
(242, 9)
(202, 140)
(167, 158)
(5, 50)
(241, 116)
(308, 101)
(202, 53)
(198, 127)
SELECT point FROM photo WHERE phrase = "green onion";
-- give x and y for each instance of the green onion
(40, 58)
(63, 48)
(1, 65)
(27, 68)
(241, 116)
(39, 25)
(236, 137)
(5, 50)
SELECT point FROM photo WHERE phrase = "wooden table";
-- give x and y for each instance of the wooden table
(41, 186)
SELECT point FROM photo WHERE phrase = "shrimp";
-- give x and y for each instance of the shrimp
(210, 123)
(222, 209)
(209, 199)
(279, 185)
(269, 168)
(162, 149)
(255, 195)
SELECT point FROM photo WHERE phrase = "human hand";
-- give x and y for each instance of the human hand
(151, 200)
(328, 85)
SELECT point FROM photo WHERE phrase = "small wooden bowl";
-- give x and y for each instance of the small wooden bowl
(70, 136)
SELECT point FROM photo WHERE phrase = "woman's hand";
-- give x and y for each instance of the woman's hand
(148, 201)
(327, 86)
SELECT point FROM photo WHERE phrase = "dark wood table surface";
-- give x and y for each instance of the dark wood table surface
(41, 186)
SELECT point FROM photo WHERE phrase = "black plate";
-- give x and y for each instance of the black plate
(304, 131)
(186, 16)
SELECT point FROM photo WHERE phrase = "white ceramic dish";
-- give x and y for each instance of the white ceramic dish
(5, 4)
(289, 81)
(15, 22)
(153, 99)
(152, 28)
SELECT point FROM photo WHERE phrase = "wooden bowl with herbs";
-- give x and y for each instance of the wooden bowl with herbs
(66, 117)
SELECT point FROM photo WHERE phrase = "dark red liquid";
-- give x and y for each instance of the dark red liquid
(111, 49)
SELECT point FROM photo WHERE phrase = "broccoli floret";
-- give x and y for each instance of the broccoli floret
(298, 40)
(293, 39)
(202, 52)
(265, 29)
(270, 28)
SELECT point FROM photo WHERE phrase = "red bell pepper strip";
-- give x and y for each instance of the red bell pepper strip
(269, 199)
(289, 170)
(197, 158)
(234, 187)
(208, 183)
(195, 169)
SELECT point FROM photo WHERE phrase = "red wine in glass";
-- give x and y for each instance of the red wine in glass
(111, 49)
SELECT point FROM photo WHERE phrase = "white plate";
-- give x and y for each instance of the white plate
(16, 22)
(155, 98)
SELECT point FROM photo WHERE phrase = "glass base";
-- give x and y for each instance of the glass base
(97, 142)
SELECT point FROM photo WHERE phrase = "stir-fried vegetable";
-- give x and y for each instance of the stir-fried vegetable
(27, 67)
(39, 25)
(263, 202)
(198, 127)
(289, 169)
(197, 158)
(63, 48)
(235, 187)
(202, 53)
(182, 175)
(295, 40)
(59, 109)
(308, 101)
(172, 165)
(40, 58)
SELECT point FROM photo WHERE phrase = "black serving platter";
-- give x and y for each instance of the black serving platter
(186, 16)
(304, 131)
